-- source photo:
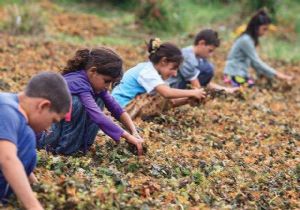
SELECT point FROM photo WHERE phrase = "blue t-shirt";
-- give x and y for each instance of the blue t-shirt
(143, 78)
(193, 67)
(14, 128)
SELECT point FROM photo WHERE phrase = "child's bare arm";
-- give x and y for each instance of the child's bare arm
(15, 175)
(283, 76)
(135, 141)
(32, 178)
(195, 83)
(179, 101)
(128, 123)
(170, 93)
(220, 87)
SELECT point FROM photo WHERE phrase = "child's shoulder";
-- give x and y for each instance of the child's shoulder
(245, 38)
(189, 56)
(9, 107)
(147, 68)
(187, 51)
(140, 68)
(9, 100)
(78, 82)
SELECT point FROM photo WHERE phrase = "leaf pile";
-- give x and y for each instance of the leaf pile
(235, 151)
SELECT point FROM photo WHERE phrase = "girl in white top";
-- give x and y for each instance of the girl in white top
(143, 90)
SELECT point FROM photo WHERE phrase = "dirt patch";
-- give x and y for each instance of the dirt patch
(85, 26)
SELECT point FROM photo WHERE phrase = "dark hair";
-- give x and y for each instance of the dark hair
(106, 61)
(167, 50)
(51, 86)
(260, 18)
(209, 36)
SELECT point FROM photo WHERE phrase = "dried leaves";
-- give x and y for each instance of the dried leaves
(234, 151)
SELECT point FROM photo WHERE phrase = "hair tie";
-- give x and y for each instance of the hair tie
(155, 45)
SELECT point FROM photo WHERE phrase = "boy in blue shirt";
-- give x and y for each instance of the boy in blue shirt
(196, 69)
(45, 100)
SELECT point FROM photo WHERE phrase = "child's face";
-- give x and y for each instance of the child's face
(167, 69)
(99, 82)
(262, 30)
(42, 117)
(203, 50)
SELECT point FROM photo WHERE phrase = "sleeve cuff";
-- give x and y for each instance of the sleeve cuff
(119, 114)
(117, 136)
(194, 77)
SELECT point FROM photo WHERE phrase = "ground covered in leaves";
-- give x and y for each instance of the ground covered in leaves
(234, 151)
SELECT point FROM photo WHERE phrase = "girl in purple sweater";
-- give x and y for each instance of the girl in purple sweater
(89, 74)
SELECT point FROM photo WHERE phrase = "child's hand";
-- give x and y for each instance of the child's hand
(139, 148)
(32, 179)
(137, 135)
(231, 89)
(284, 77)
(138, 142)
(199, 93)
(135, 141)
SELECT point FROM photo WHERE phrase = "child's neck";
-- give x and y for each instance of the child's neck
(24, 104)
(196, 52)
(156, 67)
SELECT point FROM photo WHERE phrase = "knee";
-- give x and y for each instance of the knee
(206, 75)
(210, 69)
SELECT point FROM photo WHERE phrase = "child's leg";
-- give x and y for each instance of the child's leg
(81, 134)
(146, 105)
(238, 81)
(235, 81)
(92, 129)
(180, 83)
(206, 73)
(69, 137)
(49, 137)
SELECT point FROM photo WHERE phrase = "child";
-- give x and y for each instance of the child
(137, 89)
(196, 69)
(243, 54)
(46, 99)
(89, 74)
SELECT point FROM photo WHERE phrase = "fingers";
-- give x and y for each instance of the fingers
(200, 94)
(32, 179)
(139, 149)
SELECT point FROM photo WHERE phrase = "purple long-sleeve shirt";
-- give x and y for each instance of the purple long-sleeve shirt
(79, 85)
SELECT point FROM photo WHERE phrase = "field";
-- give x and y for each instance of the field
(237, 151)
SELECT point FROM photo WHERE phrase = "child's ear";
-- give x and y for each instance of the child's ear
(163, 61)
(44, 104)
(201, 43)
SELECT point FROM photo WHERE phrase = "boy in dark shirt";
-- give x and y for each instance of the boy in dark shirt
(45, 100)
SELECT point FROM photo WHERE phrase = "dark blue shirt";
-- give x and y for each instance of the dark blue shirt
(14, 128)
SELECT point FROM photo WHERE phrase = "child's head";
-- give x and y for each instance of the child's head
(166, 57)
(102, 65)
(206, 41)
(258, 25)
(47, 100)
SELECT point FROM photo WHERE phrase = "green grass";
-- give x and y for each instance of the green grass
(103, 9)
(280, 49)
(98, 40)
(5, 2)
(206, 15)
(192, 16)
